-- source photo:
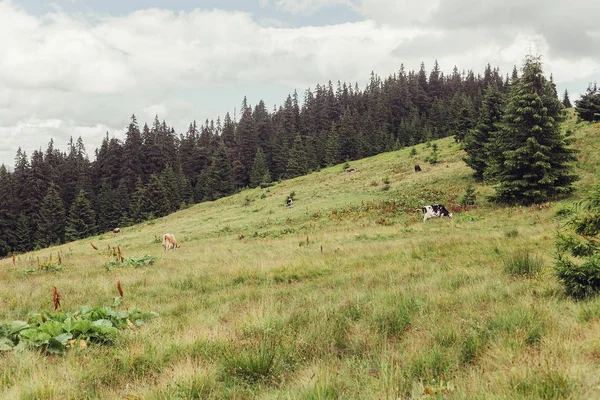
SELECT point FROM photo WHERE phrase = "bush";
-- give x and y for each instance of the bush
(470, 197)
(579, 280)
(578, 260)
(522, 263)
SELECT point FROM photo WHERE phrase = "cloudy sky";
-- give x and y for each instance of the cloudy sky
(81, 68)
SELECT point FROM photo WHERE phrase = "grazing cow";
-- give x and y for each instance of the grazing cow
(117, 230)
(169, 242)
(289, 202)
(435, 211)
(417, 168)
(348, 170)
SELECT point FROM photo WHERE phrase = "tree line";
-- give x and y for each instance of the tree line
(56, 196)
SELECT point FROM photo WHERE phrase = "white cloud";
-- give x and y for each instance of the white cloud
(63, 74)
(302, 6)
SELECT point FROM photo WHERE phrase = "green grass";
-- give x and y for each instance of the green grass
(346, 295)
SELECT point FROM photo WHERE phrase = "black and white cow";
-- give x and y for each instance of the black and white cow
(289, 202)
(435, 211)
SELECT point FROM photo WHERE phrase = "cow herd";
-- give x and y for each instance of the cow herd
(431, 211)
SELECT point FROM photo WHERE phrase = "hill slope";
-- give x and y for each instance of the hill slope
(347, 294)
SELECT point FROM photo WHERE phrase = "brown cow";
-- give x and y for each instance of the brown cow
(117, 230)
(169, 242)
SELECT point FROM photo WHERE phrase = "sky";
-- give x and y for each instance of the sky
(82, 68)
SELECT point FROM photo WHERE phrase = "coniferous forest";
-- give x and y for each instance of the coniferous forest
(55, 195)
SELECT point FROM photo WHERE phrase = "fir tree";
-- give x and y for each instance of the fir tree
(22, 234)
(81, 222)
(260, 170)
(297, 163)
(219, 179)
(108, 213)
(566, 102)
(154, 201)
(52, 219)
(588, 106)
(460, 116)
(332, 152)
(476, 142)
(7, 217)
(534, 162)
(171, 184)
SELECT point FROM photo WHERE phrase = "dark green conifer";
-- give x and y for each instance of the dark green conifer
(260, 170)
(297, 162)
(476, 141)
(533, 160)
(81, 221)
(52, 219)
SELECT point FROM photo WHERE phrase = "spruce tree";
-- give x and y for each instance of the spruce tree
(332, 152)
(297, 162)
(22, 234)
(460, 117)
(476, 141)
(171, 184)
(154, 201)
(533, 161)
(566, 102)
(7, 218)
(81, 221)
(588, 106)
(260, 170)
(108, 212)
(219, 179)
(52, 219)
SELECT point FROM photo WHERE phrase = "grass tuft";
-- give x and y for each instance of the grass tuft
(523, 263)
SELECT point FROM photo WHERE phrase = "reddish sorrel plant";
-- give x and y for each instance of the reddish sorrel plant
(56, 298)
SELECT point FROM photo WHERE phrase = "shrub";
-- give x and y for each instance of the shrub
(413, 152)
(469, 198)
(579, 280)
(578, 260)
(522, 263)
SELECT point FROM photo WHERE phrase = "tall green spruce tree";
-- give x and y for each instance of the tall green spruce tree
(588, 106)
(22, 234)
(566, 101)
(219, 178)
(476, 141)
(332, 151)
(6, 212)
(154, 201)
(260, 170)
(297, 163)
(52, 219)
(81, 221)
(533, 161)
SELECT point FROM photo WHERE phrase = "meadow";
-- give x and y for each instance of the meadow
(347, 294)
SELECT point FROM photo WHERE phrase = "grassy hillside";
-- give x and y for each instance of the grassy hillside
(346, 295)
